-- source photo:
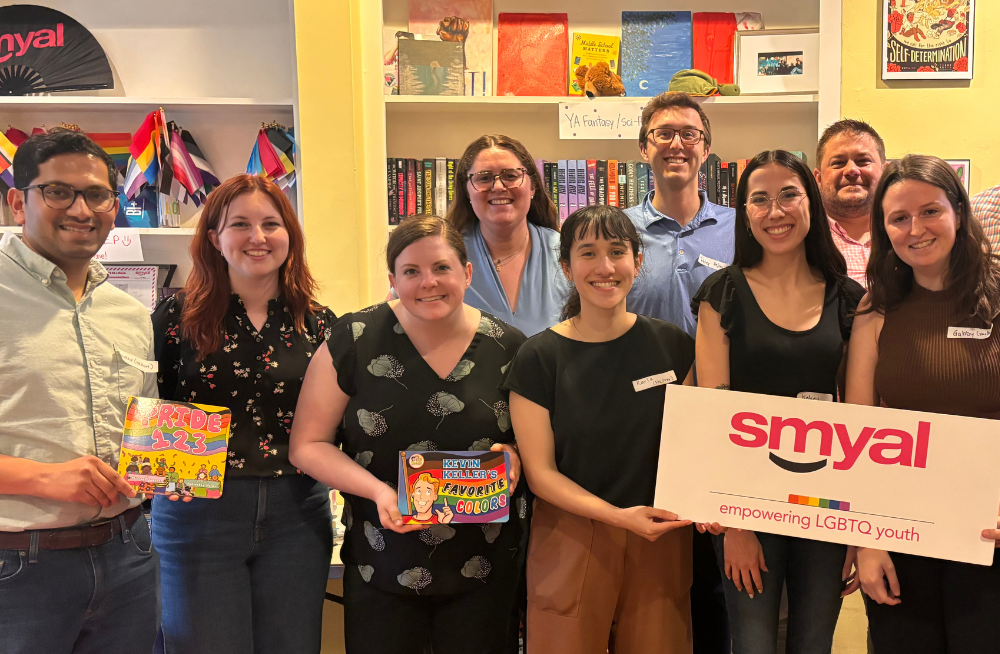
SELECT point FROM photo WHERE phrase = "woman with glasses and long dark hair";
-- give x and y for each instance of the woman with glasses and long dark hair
(777, 322)
(931, 270)
(511, 232)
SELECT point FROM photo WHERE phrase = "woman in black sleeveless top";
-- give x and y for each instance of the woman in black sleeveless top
(777, 322)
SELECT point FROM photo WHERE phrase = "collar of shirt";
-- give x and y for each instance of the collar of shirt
(46, 272)
(839, 230)
(706, 214)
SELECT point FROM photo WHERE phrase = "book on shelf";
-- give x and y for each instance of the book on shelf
(591, 182)
(562, 192)
(571, 190)
(642, 181)
(724, 183)
(547, 179)
(450, 167)
(400, 190)
(428, 167)
(469, 22)
(711, 166)
(655, 45)
(630, 173)
(602, 181)
(733, 180)
(440, 186)
(411, 187)
(431, 67)
(390, 187)
(532, 54)
(588, 49)
(554, 181)
(623, 185)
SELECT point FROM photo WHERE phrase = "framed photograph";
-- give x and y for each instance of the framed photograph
(927, 40)
(777, 61)
(961, 167)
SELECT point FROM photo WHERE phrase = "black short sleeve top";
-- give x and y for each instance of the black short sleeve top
(607, 433)
(399, 403)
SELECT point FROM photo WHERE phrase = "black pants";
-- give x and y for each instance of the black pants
(946, 608)
(709, 619)
(481, 621)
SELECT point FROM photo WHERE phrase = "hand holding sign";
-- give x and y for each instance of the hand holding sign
(648, 522)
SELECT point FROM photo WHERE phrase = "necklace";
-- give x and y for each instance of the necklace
(498, 261)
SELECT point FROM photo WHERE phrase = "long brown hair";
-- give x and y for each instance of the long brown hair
(206, 294)
(973, 270)
(542, 211)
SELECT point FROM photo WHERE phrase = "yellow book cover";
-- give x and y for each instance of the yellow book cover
(174, 448)
(589, 49)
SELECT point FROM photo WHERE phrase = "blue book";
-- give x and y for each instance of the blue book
(563, 195)
(581, 183)
(571, 185)
(655, 45)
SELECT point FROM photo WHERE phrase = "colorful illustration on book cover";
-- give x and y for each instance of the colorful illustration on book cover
(655, 45)
(469, 22)
(174, 448)
(431, 68)
(589, 49)
(929, 37)
(453, 487)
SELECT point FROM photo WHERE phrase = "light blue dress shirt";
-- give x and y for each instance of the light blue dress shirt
(676, 260)
(544, 289)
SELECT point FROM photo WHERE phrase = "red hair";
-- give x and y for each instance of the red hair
(206, 294)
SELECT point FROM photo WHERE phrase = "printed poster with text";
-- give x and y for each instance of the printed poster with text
(454, 487)
(903, 481)
(174, 448)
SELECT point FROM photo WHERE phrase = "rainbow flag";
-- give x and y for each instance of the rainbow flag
(145, 146)
(117, 145)
(7, 150)
(273, 156)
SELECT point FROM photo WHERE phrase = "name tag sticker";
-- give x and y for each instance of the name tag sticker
(136, 362)
(711, 263)
(969, 332)
(654, 380)
(809, 395)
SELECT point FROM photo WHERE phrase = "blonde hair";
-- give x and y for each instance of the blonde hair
(430, 479)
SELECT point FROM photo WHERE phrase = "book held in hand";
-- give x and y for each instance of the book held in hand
(174, 448)
(454, 487)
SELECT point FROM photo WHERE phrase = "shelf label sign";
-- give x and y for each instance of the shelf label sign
(600, 120)
(123, 244)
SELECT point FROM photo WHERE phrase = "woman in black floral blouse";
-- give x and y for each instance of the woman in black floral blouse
(246, 572)
(418, 373)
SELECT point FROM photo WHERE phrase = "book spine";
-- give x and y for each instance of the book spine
(581, 183)
(623, 185)
(642, 180)
(724, 183)
(650, 180)
(602, 181)
(451, 182)
(718, 182)
(713, 176)
(741, 165)
(591, 182)
(571, 186)
(390, 187)
(563, 195)
(411, 187)
(428, 167)
(440, 187)
(400, 190)
(419, 173)
(633, 182)
(703, 177)
(554, 182)
(613, 182)
(547, 179)
(733, 180)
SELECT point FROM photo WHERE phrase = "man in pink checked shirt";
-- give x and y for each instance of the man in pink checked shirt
(850, 157)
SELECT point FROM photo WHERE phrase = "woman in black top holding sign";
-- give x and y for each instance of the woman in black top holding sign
(587, 402)
(777, 322)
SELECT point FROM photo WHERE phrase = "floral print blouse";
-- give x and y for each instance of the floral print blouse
(399, 403)
(257, 375)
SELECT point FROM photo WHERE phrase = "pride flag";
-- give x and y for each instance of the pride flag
(7, 150)
(145, 146)
(117, 145)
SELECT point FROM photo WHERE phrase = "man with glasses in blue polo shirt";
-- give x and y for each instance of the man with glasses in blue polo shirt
(685, 239)
(77, 568)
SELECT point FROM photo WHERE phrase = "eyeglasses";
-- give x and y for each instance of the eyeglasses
(665, 135)
(58, 196)
(486, 180)
(760, 205)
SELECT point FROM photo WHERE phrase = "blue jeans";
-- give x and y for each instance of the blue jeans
(811, 570)
(100, 600)
(246, 572)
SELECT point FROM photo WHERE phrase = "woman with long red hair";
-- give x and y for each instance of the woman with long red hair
(247, 571)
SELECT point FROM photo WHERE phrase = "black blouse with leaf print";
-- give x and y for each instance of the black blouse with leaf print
(399, 403)
(257, 375)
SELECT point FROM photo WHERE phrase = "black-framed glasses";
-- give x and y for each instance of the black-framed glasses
(60, 196)
(485, 180)
(665, 135)
(760, 205)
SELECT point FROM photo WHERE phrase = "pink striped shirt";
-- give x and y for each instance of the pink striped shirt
(854, 252)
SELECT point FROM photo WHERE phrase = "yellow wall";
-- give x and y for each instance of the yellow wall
(954, 119)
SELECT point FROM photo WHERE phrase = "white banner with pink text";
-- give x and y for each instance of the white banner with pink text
(903, 481)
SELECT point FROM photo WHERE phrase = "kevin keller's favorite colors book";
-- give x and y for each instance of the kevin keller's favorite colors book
(438, 488)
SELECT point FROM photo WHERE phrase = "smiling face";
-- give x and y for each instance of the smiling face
(499, 207)
(602, 271)
(423, 497)
(252, 237)
(675, 164)
(429, 279)
(778, 229)
(848, 174)
(921, 225)
(66, 237)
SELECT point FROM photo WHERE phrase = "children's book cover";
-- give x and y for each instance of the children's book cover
(589, 49)
(532, 54)
(655, 45)
(469, 22)
(454, 487)
(174, 448)
(431, 68)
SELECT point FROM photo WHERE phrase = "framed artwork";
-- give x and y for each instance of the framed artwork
(961, 167)
(777, 61)
(927, 40)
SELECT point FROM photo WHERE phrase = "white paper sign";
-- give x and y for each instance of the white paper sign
(137, 281)
(903, 481)
(600, 120)
(138, 362)
(969, 332)
(711, 263)
(122, 244)
(653, 381)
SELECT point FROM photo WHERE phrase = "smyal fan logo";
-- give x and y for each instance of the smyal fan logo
(16, 45)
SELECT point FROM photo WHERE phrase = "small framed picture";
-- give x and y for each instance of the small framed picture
(927, 40)
(961, 167)
(777, 61)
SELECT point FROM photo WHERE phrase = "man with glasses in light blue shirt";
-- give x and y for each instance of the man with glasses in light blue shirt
(685, 239)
